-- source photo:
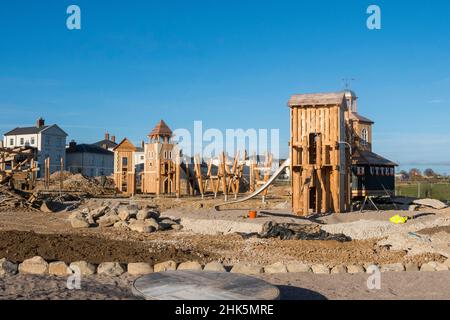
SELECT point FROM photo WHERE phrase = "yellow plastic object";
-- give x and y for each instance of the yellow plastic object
(397, 219)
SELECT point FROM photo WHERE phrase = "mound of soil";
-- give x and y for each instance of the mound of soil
(20, 245)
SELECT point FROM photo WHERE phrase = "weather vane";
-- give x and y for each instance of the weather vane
(347, 82)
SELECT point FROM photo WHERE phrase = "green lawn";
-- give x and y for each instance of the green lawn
(439, 191)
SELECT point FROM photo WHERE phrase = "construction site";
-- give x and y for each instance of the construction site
(329, 209)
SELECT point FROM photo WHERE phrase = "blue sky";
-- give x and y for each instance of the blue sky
(232, 64)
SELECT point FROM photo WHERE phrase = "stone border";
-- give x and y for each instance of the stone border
(38, 266)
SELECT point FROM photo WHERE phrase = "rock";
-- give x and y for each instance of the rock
(146, 214)
(143, 214)
(320, 269)
(139, 268)
(429, 266)
(247, 268)
(85, 268)
(393, 267)
(35, 265)
(277, 267)
(441, 267)
(411, 267)
(121, 225)
(167, 221)
(433, 203)
(7, 268)
(91, 221)
(413, 207)
(190, 265)
(79, 223)
(298, 267)
(177, 227)
(133, 209)
(59, 268)
(165, 266)
(139, 226)
(214, 266)
(339, 269)
(352, 269)
(124, 215)
(112, 269)
(76, 215)
(99, 212)
(151, 223)
(166, 224)
(447, 263)
(108, 221)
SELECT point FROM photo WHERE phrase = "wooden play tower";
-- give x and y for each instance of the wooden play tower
(320, 153)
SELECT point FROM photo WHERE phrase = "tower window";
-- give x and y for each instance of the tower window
(364, 137)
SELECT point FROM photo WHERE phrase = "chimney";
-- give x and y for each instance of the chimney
(40, 123)
(142, 144)
(72, 145)
(106, 136)
(113, 139)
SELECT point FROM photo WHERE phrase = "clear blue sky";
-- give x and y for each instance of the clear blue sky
(232, 64)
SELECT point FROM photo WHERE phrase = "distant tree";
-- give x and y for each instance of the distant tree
(429, 173)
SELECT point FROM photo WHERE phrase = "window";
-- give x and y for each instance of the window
(364, 137)
(142, 157)
(170, 154)
(125, 161)
(32, 141)
(22, 141)
(11, 142)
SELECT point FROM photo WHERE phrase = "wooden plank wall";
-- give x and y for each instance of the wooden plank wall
(323, 176)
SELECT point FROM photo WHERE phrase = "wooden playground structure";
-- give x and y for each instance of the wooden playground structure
(330, 143)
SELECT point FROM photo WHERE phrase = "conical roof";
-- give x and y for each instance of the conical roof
(161, 129)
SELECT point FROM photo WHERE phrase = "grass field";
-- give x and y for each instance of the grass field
(439, 191)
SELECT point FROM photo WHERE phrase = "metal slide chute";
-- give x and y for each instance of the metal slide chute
(285, 164)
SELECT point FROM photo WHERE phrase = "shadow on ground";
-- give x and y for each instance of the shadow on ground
(296, 293)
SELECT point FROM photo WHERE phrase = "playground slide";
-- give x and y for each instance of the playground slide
(285, 164)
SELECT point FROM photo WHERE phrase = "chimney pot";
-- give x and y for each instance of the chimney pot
(72, 145)
(113, 139)
(40, 123)
(142, 144)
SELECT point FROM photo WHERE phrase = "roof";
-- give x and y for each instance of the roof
(25, 130)
(161, 129)
(109, 144)
(125, 144)
(32, 130)
(327, 98)
(360, 118)
(89, 148)
(370, 158)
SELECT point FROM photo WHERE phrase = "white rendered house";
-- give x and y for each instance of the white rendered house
(49, 140)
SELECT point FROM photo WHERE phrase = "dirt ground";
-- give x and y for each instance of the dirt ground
(51, 236)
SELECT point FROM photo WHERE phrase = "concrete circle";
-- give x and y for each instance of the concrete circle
(202, 285)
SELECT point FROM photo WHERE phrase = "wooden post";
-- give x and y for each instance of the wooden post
(61, 179)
